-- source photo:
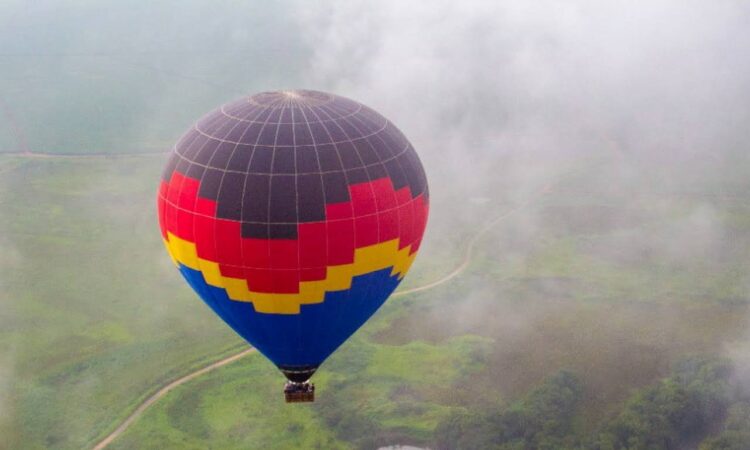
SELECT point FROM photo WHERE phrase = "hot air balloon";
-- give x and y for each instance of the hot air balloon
(293, 215)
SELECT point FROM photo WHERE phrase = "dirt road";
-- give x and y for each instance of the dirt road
(470, 245)
(163, 391)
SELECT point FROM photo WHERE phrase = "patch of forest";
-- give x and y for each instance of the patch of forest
(675, 413)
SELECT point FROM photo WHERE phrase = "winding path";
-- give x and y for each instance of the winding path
(163, 391)
(470, 245)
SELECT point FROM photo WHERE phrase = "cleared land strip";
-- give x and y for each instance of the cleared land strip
(163, 391)
(470, 245)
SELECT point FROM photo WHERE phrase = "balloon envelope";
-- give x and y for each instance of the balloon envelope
(293, 215)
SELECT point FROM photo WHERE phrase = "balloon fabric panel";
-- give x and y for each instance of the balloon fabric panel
(293, 215)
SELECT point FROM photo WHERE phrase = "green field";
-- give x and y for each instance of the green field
(95, 318)
(94, 315)
(591, 160)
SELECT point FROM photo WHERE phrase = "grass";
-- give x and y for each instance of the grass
(226, 399)
(94, 317)
(92, 312)
(564, 304)
(242, 406)
(615, 273)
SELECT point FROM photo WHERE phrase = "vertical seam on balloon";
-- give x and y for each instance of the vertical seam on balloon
(221, 184)
(383, 280)
(349, 303)
(343, 171)
(410, 211)
(370, 286)
(411, 207)
(407, 186)
(270, 187)
(296, 208)
(244, 189)
(262, 109)
(372, 193)
(242, 197)
(393, 194)
(325, 221)
(390, 180)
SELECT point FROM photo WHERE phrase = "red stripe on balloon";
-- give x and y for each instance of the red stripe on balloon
(376, 213)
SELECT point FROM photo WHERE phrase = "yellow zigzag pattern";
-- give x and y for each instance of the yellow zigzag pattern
(366, 259)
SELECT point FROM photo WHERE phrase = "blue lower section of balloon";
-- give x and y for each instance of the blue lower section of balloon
(307, 338)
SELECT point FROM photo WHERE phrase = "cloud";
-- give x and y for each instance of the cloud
(500, 99)
(463, 77)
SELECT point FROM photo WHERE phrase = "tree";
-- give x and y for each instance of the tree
(542, 420)
(736, 433)
(678, 408)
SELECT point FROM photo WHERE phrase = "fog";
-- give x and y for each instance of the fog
(500, 97)
(645, 77)
(518, 110)
(658, 88)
